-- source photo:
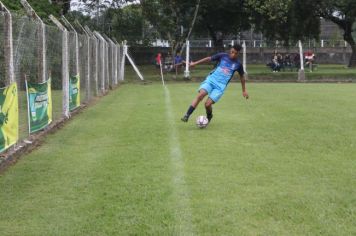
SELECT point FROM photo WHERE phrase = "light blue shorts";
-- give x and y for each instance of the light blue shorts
(215, 92)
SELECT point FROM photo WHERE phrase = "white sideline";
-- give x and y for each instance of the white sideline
(183, 212)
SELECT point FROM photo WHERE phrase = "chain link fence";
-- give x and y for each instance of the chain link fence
(33, 51)
(2, 49)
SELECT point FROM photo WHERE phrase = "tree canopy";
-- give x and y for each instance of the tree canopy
(300, 19)
(288, 20)
(222, 18)
(42, 7)
(173, 20)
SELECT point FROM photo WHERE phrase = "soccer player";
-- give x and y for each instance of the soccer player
(217, 81)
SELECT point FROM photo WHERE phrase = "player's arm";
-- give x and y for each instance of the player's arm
(241, 72)
(204, 60)
(216, 57)
(182, 63)
(243, 85)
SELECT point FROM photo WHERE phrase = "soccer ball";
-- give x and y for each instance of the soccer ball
(202, 122)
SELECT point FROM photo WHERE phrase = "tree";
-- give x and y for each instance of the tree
(221, 18)
(126, 23)
(283, 21)
(43, 8)
(299, 19)
(95, 7)
(64, 5)
(84, 20)
(343, 14)
(174, 20)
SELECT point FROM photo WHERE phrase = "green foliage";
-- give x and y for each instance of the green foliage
(271, 9)
(42, 7)
(73, 16)
(222, 18)
(125, 23)
(288, 21)
(300, 19)
(171, 19)
(13, 5)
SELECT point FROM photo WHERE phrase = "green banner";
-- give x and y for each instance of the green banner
(9, 116)
(39, 101)
(74, 92)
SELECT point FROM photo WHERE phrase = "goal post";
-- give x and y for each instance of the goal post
(301, 73)
(244, 59)
(187, 60)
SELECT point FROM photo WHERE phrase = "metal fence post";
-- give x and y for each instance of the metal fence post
(301, 73)
(9, 48)
(123, 60)
(65, 66)
(87, 79)
(103, 60)
(95, 59)
(244, 59)
(42, 67)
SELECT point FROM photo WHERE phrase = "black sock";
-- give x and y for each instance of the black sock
(209, 113)
(190, 110)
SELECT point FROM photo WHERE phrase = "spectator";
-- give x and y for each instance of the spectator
(309, 59)
(275, 64)
(168, 63)
(178, 62)
(288, 62)
(158, 60)
(296, 61)
(280, 61)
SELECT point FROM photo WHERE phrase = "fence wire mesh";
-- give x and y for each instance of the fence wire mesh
(83, 66)
(2, 50)
(54, 46)
(39, 54)
(26, 45)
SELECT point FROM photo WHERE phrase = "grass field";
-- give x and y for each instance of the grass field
(282, 163)
(256, 72)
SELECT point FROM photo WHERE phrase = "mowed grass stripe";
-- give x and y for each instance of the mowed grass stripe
(181, 191)
(104, 173)
(282, 163)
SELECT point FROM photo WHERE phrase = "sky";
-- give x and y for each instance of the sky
(76, 5)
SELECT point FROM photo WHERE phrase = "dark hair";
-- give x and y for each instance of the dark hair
(237, 47)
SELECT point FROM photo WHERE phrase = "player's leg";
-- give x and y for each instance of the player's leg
(214, 97)
(209, 108)
(201, 94)
(205, 88)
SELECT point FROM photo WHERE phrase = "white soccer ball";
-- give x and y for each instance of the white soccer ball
(202, 122)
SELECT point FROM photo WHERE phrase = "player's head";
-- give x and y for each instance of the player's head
(234, 51)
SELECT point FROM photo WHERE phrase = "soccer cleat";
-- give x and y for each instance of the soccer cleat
(185, 118)
(210, 117)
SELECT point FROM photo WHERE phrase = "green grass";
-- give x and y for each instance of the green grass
(282, 163)
(256, 72)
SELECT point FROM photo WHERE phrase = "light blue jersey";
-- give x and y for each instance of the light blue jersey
(215, 84)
